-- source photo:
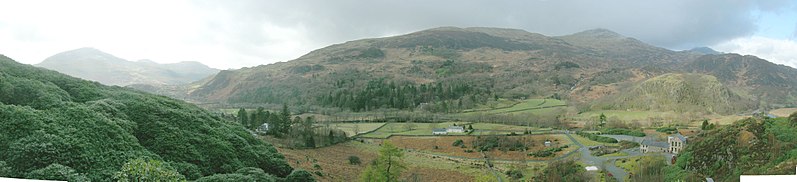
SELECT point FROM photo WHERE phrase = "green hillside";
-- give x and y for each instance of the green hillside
(761, 146)
(681, 93)
(59, 127)
(449, 69)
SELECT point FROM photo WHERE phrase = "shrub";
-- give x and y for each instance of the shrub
(597, 138)
(668, 130)
(146, 170)
(620, 131)
(316, 166)
(458, 142)
(547, 152)
(57, 172)
(354, 160)
(300, 175)
(515, 173)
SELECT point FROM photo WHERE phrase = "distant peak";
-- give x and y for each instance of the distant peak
(146, 61)
(600, 32)
(446, 28)
(705, 50)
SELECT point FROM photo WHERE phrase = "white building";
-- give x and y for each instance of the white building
(439, 131)
(455, 129)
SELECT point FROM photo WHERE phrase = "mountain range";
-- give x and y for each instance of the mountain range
(595, 70)
(95, 65)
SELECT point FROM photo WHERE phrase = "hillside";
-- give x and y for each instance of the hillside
(63, 128)
(95, 65)
(760, 146)
(681, 93)
(458, 68)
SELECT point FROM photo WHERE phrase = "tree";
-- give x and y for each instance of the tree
(602, 120)
(563, 170)
(56, 172)
(793, 118)
(388, 165)
(300, 175)
(243, 117)
(704, 126)
(147, 170)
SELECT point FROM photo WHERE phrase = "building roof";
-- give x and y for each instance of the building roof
(655, 143)
(438, 130)
(680, 137)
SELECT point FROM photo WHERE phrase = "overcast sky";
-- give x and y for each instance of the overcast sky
(243, 33)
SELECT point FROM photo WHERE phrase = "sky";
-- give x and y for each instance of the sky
(245, 33)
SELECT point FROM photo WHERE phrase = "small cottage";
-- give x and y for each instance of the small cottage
(547, 143)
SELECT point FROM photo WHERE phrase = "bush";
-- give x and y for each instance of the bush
(668, 130)
(147, 170)
(620, 131)
(458, 142)
(547, 152)
(628, 144)
(318, 173)
(300, 175)
(515, 173)
(316, 167)
(190, 171)
(354, 160)
(597, 138)
(56, 172)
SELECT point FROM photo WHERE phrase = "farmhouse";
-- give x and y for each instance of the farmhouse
(455, 129)
(652, 146)
(677, 143)
(439, 131)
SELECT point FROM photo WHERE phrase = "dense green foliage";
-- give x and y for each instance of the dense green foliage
(621, 131)
(548, 152)
(502, 143)
(671, 130)
(147, 170)
(49, 118)
(650, 169)
(597, 138)
(749, 146)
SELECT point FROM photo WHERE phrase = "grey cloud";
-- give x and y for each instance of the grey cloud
(678, 24)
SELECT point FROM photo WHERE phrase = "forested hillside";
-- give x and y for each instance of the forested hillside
(59, 127)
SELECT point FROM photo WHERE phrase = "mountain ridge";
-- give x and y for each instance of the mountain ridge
(490, 62)
(93, 64)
